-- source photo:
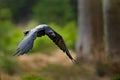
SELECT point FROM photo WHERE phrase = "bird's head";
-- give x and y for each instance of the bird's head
(49, 32)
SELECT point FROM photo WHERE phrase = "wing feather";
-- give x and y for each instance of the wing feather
(58, 40)
(26, 44)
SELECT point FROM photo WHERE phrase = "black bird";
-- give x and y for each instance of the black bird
(27, 43)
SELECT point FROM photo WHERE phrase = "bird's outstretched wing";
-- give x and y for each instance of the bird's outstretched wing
(58, 40)
(26, 44)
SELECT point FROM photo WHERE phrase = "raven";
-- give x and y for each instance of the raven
(27, 43)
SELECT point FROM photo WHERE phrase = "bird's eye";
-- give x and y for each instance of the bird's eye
(50, 32)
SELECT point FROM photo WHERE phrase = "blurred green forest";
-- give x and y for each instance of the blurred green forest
(59, 14)
(62, 11)
(17, 16)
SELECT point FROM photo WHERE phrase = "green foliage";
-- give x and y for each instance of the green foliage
(5, 14)
(8, 65)
(34, 77)
(58, 11)
(117, 77)
(20, 9)
(10, 36)
(45, 11)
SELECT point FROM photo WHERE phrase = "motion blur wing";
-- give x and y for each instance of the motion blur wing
(58, 40)
(26, 44)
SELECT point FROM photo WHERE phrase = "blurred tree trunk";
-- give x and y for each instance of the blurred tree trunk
(83, 45)
(90, 32)
(112, 27)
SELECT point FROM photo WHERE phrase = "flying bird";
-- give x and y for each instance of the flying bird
(27, 43)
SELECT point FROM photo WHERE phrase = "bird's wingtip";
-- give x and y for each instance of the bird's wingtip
(74, 61)
(16, 53)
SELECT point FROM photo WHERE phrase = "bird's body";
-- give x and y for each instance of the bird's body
(27, 43)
